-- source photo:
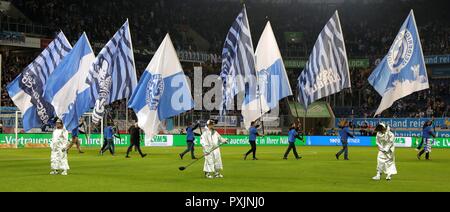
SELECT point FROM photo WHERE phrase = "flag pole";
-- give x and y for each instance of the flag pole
(304, 120)
(295, 105)
(126, 114)
(1, 84)
(260, 101)
(258, 87)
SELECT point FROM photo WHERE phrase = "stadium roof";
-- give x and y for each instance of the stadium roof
(315, 110)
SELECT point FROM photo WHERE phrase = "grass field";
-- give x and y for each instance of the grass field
(28, 170)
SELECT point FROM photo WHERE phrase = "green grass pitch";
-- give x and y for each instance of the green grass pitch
(28, 170)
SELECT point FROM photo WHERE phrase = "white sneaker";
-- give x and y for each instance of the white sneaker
(376, 177)
(218, 175)
(53, 172)
(388, 177)
(64, 172)
(209, 176)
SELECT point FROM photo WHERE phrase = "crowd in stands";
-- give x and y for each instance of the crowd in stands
(369, 29)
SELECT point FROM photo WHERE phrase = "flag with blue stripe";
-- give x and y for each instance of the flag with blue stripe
(273, 83)
(238, 71)
(27, 89)
(112, 76)
(162, 91)
(66, 87)
(326, 71)
(402, 71)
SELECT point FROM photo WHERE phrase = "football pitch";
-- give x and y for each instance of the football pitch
(28, 170)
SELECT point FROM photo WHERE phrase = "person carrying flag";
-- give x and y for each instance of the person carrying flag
(109, 135)
(344, 133)
(190, 140)
(135, 140)
(292, 135)
(75, 140)
(253, 134)
(427, 133)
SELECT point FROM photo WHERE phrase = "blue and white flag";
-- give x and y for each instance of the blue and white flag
(238, 62)
(273, 83)
(162, 91)
(326, 71)
(402, 71)
(112, 76)
(27, 89)
(66, 87)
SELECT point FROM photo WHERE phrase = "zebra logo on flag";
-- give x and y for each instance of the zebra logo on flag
(27, 89)
(113, 75)
(238, 60)
(326, 71)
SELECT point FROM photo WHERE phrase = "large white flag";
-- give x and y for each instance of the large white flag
(273, 83)
(162, 91)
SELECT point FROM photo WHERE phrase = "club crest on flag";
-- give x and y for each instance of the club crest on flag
(263, 81)
(155, 87)
(162, 92)
(401, 51)
(402, 71)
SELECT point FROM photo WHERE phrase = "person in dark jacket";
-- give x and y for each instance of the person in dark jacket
(292, 136)
(135, 140)
(427, 134)
(75, 134)
(253, 134)
(190, 140)
(109, 134)
(344, 133)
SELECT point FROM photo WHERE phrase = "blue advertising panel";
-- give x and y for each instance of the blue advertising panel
(394, 122)
(437, 59)
(336, 141)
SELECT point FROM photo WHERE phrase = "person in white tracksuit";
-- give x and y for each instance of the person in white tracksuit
(210, 141)
(58, 145)
(386, 152)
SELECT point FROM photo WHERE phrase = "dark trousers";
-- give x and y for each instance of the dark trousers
(291, 146)
(109, 145)
(420, 144)
(190, 148)
(136, 144)
(105, 142)
(253, 149)
(344, 150)
(427, 155)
